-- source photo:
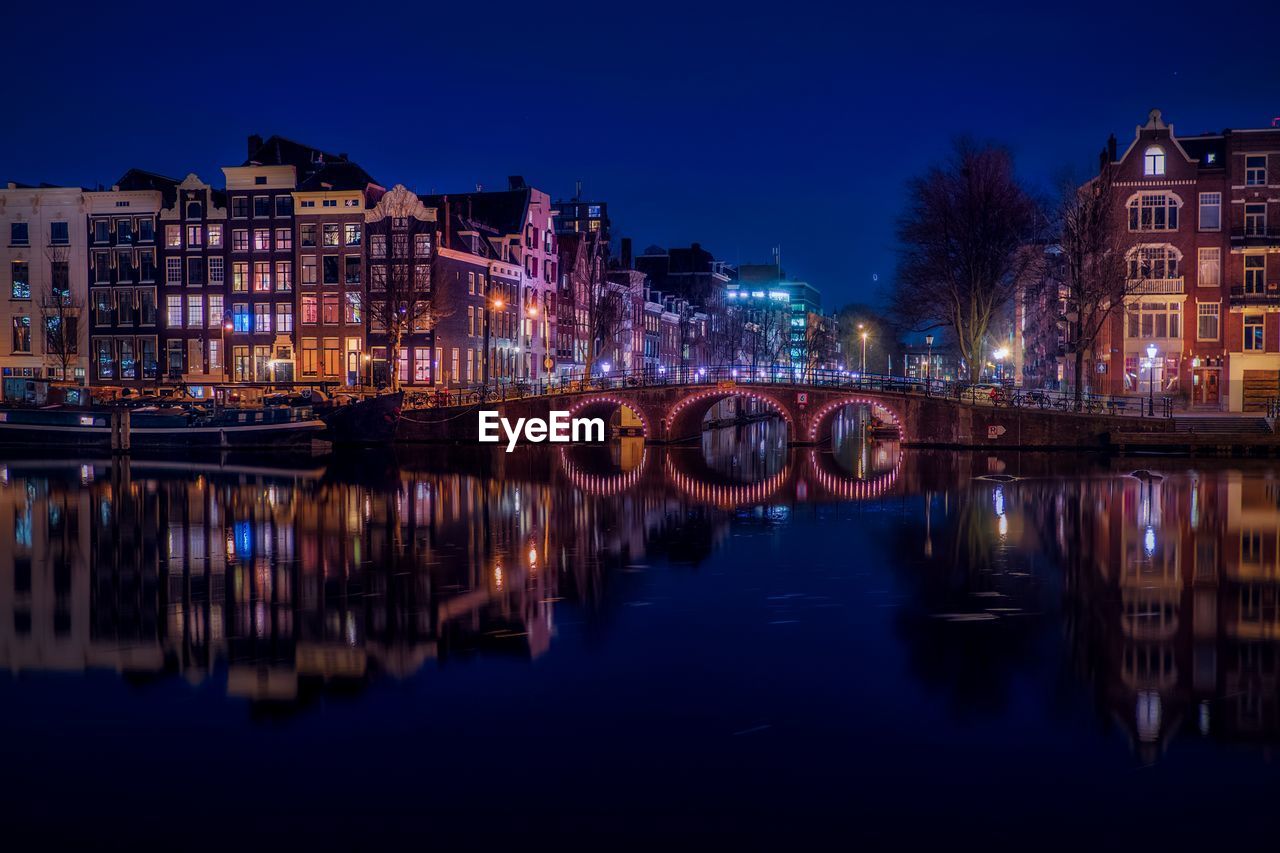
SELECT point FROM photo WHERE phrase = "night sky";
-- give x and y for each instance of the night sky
(794, 126)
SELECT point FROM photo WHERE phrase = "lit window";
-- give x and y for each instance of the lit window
(1154, 212)
(1153, 161)
(1253, 326)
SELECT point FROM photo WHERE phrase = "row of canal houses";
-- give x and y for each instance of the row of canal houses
(274, 278)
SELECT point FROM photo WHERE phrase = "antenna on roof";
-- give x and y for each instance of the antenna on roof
(577, 190)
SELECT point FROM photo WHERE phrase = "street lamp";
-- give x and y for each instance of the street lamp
(1151, 379)
(928, 365)
(864, 351)
(1000, 355)
(490, 305)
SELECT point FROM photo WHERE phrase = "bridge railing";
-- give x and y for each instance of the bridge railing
(998, 396)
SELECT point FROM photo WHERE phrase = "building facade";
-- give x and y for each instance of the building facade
(44, 262)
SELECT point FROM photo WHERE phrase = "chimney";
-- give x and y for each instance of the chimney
(255, 142)
(626, 253)
(1111, 147)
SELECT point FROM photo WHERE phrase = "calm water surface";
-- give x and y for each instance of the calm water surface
(734, 641)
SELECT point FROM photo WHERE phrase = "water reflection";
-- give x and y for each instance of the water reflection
(1159, 590)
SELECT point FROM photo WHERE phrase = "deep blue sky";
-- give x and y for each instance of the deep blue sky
(795, 125)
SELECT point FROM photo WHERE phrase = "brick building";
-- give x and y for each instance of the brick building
(1197, 214)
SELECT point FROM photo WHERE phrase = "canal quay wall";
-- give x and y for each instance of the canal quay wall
(674, 415)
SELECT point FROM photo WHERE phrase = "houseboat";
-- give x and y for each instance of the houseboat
(121, 428)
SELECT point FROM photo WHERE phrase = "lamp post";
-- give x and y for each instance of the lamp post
(1000, 355)
(864, 351)
(928, 365)
(1151, 379)
(489, 305)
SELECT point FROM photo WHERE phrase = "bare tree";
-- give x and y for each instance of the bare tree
(598, 304)
(60, 313)
(408, 295)
(963, 235)
(1096, 274)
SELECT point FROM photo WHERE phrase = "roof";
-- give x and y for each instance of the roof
(504, 211)
(1206, 150)
(339, 175)
(307, 160)
(140, 180)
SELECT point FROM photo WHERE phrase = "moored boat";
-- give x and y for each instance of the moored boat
(372, 420)
(121, 428)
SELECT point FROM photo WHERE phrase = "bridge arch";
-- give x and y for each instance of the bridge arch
(604, 405)
(819, 428)
(684, 419)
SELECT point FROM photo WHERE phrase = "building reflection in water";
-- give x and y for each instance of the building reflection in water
(1161, 589)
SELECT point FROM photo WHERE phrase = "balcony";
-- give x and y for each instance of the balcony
(1270, 296)
(1255, 236)
(1158, 287)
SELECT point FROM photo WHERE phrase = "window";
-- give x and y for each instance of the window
(195, 272)
(240, 207)
(124, 232)
(239, 277)
(104, 358)
(399, 245)
(284, 276)
(215, 355)
(101, 231)
(331, 235)
(240, 363)
(1255, 270)
(1154, 320)
(310, 364)
(195, 312)
(378, 277)
(1255, 170)
(353, 234)
(329, 312)
(284, 317)
(1253, 325)
(173, 270)
(1153, 161)
(1153, 262)
(195, 235)
(308, 269)
(378, 245)
(421, 364)
(240, 240)
(421, 245)
(173, 312)
(240, 317)
(262, 276)
(332, 357)
(262, 317)
(309, 310)
(147, 265)
(353, 315)
(58, 234)
(284, 205)
(331, 269)
(1210, 211)
(1207, 315)
(22, 334)
(1210, 270)
(1255, 219)
(262, 239)
(329, 202)
(216, 270)
(215, 236)
(307, 235)
(21, 280)
(147, 307)
(18, 234)
(284, 239)
(215, 310)
(1153, 212)
(471, 283)
(351, 273)
(422, 277)
(261, 206)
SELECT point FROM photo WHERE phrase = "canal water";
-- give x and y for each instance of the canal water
(735, 642)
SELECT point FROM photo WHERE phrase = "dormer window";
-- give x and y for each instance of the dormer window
(1153, 161)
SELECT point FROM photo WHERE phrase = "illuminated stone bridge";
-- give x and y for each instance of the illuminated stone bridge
(672, 413)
